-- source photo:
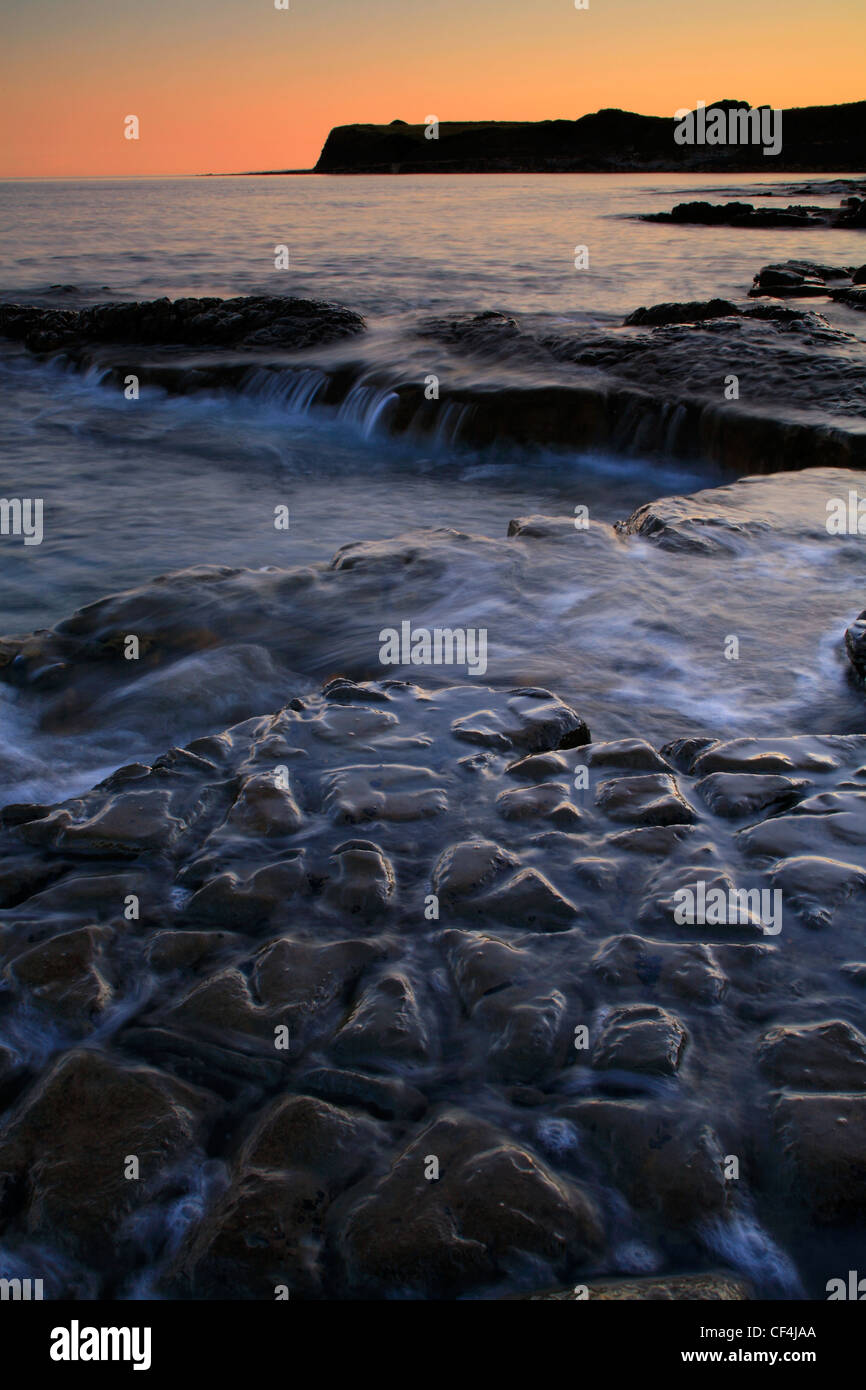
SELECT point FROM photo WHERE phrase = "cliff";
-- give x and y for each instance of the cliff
(815, 139)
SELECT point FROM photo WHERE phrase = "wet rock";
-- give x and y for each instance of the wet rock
(483, 727)
(814, 1057)
(690, 971)
(794, 836)
(126, 825)
(466, 869)
(809, 270)
(482, 965)
(364, 884)
(530, 900)
(235, 1067)
(701, 895)
(743, 215)
(736, 794)
(789, 278)
(492, 1203)
(816, 885)
(100, 897)
(855, 646)
(66, 975)
(544, 722)
(179, 950)
(247, 903)
(692, 312)
(383, 792)
(352, 725)
(530, 1033)
(265, 1232)
(754, 755)
(548, 801)
(534, 720)
(346, 691)
(248, 321)
(537, 767)
(264, 807)
(305, 979)
(669, 1164)
(633, 753)
(651, 800)
(600, 874)
(63, 1153)
(485, 332)
(683, 751)
(657, 841)
(853, 296)
(674, 523)
(386, 1097)
(304, 1132)
(640, 1037)
(385, 1026)
(239, 933)
(164, 690)
(222, 1005)
(824, 1146)
(543, 527)
(21, 879)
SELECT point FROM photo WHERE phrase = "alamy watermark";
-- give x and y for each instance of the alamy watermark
(21, 1290)
(704, 905)
(438, 646)
(846, 517)
(729, 125)
(22, 516)
(77, 1343)
(853, 1288)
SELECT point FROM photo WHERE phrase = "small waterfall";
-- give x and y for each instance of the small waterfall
(675, 418)
(298, 390)
(365, 407)
(94, 375)
(626, 426)
(450, 422)
(293, 388)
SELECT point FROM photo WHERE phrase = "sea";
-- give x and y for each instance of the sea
(136, 489)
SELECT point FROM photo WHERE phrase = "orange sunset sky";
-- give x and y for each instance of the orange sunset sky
(224, 85)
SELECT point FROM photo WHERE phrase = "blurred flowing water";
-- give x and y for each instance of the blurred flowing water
(631, 633)
(135, 489)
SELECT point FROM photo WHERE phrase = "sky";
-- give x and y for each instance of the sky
(232, 85)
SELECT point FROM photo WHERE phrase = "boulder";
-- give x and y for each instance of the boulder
(642, 1038)
(823, 1139)
(669, 1163)
(493, 1203)
(64, 1152)
(827, 1056)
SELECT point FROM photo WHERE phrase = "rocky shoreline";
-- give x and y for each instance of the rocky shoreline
(541, 983)
(387, 995)
(851, 213)
(658, 385)
(283, 875)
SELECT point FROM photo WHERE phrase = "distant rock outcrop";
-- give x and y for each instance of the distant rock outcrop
(814, 139)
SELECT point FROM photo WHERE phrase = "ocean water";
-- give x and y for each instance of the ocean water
(136, 489)
(393, 246)
(630, 633)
